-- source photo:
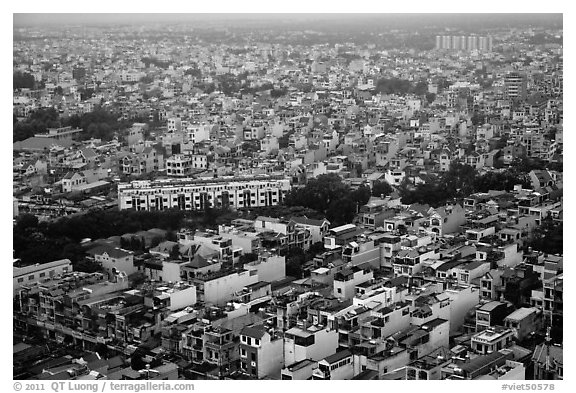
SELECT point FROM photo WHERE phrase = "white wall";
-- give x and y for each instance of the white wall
(326, 343)
(183, 298)
(348, 288)
(125, 264)
(271, 359)
(270, 269)
(461, 302)
(171, 271)
(220, 290)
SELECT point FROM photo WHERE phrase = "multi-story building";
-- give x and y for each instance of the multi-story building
(314, 342)
(553, 300)
(114, 259)
(463, 43)
(515, 85)
(491, 340)
(491, 314)
(193, 194)
(36, 273)
(261, 352)
(219, 287)
(179, 165)
(84, 309)
(338, 366)
(149, 160)
(429, 367)
(524, 322)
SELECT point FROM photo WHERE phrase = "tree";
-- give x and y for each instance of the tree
(498, 181)
(22, 80)
(361, 195)
(171, 236)
(74, 252)
(318, 193)
(342, 211)
(457, 182)
(295, 258)
(555, 166)
(136, 360)
(195, 72)
(548, 237)
(136, 279)
(381, 188)
(146, 79)
(86, 266)
(276, 93)
(38, 122)
(478, 119)
(25, 222)
(330, 196)
(393, 86)
(175, 252)
(420, 88)
(155, 241)
(316, 248)
(526, 164)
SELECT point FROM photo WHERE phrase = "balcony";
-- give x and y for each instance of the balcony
(319, 374)
(220, 347)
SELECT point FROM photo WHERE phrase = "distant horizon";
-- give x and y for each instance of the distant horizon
(66, 19)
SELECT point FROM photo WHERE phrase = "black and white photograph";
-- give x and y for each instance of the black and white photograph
(286, 196)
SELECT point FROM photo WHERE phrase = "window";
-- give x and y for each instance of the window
(249, 340)
(21, 280)
(256, 341)
(31, 277)
(253, 356)
(42, 274)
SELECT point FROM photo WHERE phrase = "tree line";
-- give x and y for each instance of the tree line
(21, 80)
(460, 181)
(330, 196)
(101, 123)
(40, 242)
(400, 86)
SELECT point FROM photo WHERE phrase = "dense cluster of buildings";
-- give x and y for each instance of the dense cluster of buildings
(405, 291)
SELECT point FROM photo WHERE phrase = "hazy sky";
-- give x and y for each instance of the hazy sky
(31, 19)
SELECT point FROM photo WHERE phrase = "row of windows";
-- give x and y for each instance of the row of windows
(192, 191)
(341, 363)
(248, 340)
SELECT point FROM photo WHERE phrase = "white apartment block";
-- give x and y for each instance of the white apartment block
(196, 194)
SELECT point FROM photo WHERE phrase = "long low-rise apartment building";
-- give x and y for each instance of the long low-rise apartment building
(197, 194)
